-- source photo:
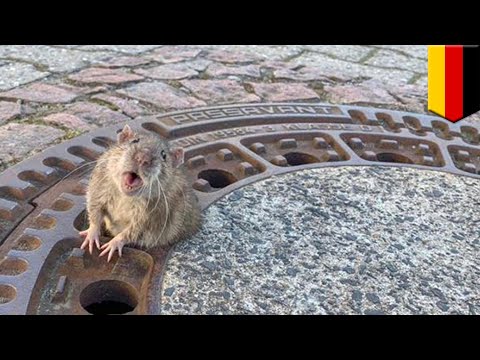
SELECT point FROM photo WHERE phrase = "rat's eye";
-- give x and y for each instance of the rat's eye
(134, 141)
(163, 154)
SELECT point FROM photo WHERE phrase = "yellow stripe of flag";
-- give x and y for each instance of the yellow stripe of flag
(436, 79)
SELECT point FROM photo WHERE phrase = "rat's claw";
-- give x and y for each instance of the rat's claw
(92, 237)
(111, 246)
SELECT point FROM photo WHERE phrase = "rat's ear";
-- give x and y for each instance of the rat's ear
(125, 135)
(178, 156)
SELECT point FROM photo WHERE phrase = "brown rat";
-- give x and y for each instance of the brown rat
(139, 192)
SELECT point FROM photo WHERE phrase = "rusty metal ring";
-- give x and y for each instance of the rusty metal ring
(227, 147)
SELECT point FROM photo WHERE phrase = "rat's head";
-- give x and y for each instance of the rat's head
(144, 163)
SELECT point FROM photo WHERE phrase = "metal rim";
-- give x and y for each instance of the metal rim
(227, 147)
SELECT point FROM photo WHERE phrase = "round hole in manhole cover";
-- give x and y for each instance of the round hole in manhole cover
(62, 205)
(27, 243)
(393, 158)
(217, 179)
(295, 159)
(109, 297)
(7, 293)
(13, 266)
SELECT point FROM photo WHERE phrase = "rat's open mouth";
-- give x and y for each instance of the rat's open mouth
(131, 182)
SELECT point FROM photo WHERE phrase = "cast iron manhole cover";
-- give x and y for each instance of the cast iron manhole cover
(43, 271)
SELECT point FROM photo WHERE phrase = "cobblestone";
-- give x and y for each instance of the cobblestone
(390, 59)
(9, 110)
(69, 121)
(14, 74)
(129, 107)
(283, 92)
(172, 54)
(216, 70)
(354, 54)
(33, 137)
(168, 72)
(171, 77)
(220, 91)
(104, 76)
(161, 95)
(42, 93)
(344, 69)
(127, 49)
(95, 114)
(51, 58)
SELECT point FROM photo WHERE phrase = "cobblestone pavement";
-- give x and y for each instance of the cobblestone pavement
(52, 93)
(330, 263)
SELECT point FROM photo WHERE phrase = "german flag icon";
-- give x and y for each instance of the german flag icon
(454, 80)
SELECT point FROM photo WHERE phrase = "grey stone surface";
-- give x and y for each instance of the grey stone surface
(419, 51)
(392, 241)
(161, 95)
(127, 49)
(349, 53)
(16, 74)
(52, 58)
(270, 52)
(344, 69)
(35, 138)
(395, 60)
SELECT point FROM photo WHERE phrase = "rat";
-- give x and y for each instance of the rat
(138, 192)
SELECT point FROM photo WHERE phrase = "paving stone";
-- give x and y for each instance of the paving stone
(279, 65)
(307, 73)
(283, 91)
(129, 107)
(52, 58)
(344, 52)
(344, 69)
(258, 52)
(69, 121)
(16, 74)
(216, 70)
(232, 57)
(394, 60)
(33, 137)
(95, 114)
(198, 64)
(104, 76)
(122, 61)
(413, 96)
(42, 93)
(351, 94)
(9, 110)
(161, 95)
(127, 49)
(174, 71)
(419, 51)
(172, 54)
(422, 81)
(220, 91)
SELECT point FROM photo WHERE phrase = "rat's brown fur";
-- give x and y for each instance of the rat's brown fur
(163, 212)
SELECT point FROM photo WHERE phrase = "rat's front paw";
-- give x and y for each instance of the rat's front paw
(91, 236)
(116, 243)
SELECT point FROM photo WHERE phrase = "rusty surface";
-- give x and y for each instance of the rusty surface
(42, 271)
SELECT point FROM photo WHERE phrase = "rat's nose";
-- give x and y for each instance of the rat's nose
(143, 159)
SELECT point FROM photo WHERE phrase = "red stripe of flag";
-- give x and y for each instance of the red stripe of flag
(453, 82)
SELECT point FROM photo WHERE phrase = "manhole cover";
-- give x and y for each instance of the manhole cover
(43, 271)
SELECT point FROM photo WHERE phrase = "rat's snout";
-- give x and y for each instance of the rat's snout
(143, 159)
